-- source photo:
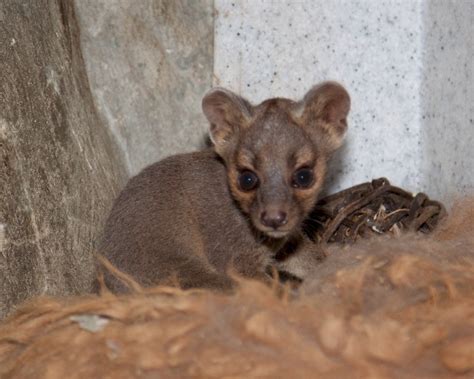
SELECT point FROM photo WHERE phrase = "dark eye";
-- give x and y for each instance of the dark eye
(303, 178)
(248, 180)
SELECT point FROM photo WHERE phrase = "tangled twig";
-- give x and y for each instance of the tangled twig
(374, 207)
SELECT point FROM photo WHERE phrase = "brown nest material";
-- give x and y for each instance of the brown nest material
(380, 308)
(375, 207)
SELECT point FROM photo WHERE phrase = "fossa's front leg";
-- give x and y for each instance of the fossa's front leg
(299, 263)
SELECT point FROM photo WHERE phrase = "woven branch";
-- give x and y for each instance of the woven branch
(372, 208)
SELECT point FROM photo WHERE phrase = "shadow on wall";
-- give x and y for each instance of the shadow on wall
(335, 169)
(447, 97)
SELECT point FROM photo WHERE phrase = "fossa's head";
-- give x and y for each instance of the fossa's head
(276, 152)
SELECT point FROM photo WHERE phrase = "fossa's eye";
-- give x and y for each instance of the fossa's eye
(303, 178)
(248, 180)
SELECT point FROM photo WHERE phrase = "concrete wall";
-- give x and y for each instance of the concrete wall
(149, 64)
(447, 94)
(409, 96)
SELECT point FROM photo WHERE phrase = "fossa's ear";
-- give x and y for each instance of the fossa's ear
(227, 113)
(324, 111)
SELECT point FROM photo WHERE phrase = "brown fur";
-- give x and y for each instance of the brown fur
(384, 308)
(187, 216)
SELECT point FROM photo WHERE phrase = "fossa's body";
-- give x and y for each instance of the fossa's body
(239, 206)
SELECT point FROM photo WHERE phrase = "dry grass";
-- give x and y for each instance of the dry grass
(386, 308)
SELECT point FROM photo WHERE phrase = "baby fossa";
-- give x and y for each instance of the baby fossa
(239, 206)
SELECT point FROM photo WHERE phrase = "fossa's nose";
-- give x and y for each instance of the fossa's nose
(274, 218)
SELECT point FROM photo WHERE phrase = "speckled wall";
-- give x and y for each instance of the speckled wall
(387, 54)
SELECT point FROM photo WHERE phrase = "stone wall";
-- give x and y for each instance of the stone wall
(149, 63)
(59, 170)
(91, 92)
